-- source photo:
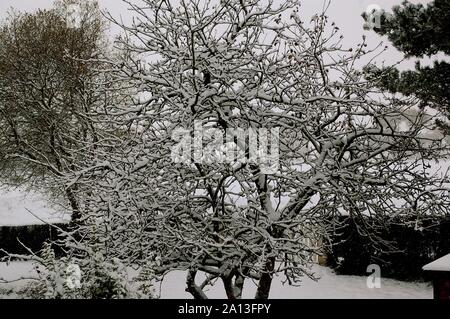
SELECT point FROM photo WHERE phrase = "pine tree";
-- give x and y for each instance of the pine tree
(419, 30)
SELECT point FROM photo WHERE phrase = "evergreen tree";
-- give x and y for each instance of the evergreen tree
(418, 30)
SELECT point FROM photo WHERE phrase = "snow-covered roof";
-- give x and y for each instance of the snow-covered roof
(20, 207)
(441, 264)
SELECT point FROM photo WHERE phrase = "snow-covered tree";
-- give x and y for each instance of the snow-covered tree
(202, 68)
(48, 88)
(418, 30)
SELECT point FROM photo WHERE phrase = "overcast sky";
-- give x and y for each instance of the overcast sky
(346, 14)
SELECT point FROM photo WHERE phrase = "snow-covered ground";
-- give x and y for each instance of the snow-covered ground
(17, 207)
(329, 286)
(14, 271)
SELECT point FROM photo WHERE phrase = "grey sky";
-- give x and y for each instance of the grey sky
(346, 14)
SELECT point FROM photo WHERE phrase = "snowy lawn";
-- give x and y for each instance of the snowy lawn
(14, 271)
(330, 286)
(16, 204)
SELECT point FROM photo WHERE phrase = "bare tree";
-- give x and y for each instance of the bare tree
(345, 147)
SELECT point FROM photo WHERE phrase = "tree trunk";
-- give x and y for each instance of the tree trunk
(229, 289)
(266, 280)
(76, 213)
(239, 284)
(192, 288)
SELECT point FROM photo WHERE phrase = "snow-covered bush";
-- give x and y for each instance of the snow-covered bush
(93, 277)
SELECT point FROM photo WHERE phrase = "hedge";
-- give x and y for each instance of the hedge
(408, 249)
(32, 236)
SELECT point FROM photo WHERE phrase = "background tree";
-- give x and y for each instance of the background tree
(418, 30)
(345, 147)
(48, 88)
